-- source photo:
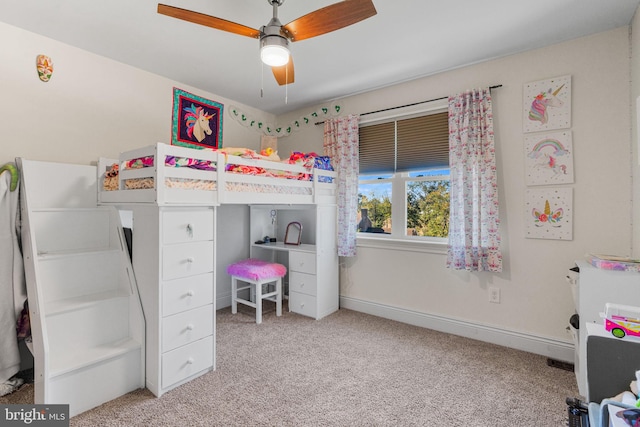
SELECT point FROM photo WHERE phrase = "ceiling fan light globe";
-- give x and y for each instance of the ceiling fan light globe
(274, 51)
(274, 56)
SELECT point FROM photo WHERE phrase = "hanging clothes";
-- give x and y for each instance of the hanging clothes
(12, 282)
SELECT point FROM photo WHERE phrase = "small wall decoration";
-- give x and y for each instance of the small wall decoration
(549, 158)
(549, 213)
(270, 129)
(197, 122)
(44, 65)
(547, 104)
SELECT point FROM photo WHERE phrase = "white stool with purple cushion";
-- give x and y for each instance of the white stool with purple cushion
(256, 273)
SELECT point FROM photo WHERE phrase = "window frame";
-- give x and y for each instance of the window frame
(398, 240)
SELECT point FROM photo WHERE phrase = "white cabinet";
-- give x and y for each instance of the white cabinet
(595, 288)
(174, 261)
(303, 295)
(312, 277)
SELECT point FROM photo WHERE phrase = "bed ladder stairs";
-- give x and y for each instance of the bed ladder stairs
(86, 318)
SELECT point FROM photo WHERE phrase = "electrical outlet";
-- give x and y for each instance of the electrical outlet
(494, 294)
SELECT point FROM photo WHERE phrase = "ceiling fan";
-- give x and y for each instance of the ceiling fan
(275, 37)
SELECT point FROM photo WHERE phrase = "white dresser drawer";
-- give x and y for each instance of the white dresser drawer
(181, 226)
(302, 282)
(185, 361)
(304, 262)
(187, 259)
(303, 304)
(186, 327)
(187, 293)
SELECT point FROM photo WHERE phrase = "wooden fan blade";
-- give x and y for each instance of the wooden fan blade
(284, 74)
(330, 18)
(208, 21)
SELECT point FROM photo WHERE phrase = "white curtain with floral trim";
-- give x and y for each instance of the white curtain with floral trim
(341, 143)
(474, 237)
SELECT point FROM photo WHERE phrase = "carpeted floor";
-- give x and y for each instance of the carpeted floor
(348, 369)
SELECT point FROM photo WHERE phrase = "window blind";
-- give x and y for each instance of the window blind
(405, 145)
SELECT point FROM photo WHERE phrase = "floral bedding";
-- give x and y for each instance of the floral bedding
(171, 161)
(307, 160)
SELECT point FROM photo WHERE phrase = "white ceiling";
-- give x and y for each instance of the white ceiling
(405, 40)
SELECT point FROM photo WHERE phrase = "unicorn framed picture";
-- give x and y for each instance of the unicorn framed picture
(548, 158)
(549, 213)
(547, 104)
(196, 122)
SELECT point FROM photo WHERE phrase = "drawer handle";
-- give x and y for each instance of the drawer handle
(301, 305)
(190, 327)
(190, 293)
(190, 230)
(301, 284)
(190, 361)
(190, 260)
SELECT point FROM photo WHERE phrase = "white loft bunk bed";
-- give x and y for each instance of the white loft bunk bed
(172, 193)
(211, 178)
(174, 257)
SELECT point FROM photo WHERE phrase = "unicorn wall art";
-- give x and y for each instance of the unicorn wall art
(549, 213)
(547, 104)
(549, 159)
(197, 122)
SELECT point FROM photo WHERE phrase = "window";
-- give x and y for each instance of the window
(403, 189)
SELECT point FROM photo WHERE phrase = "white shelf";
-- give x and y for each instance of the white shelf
(53, 255)
(83, 302)
(72, 209)
(280, 246)
(79, 358)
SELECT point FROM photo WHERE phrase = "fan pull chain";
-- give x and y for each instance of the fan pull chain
(286, 85)
(261, 79)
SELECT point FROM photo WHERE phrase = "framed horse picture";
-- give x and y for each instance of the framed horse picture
(196, 122)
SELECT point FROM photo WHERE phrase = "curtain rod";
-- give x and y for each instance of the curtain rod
(410, 105)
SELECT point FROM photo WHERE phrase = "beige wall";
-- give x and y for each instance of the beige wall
(536, 300)
(91, 107)
(635, 121)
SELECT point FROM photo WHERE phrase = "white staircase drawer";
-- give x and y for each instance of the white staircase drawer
(186, 327)
(304, 262)
(181, 226)
(187, 293)
(186, 361)
(188, 259)
(302, 304)
(302, 282)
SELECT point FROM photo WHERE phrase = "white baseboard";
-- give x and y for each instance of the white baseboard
(554, 349)
(223, 301)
